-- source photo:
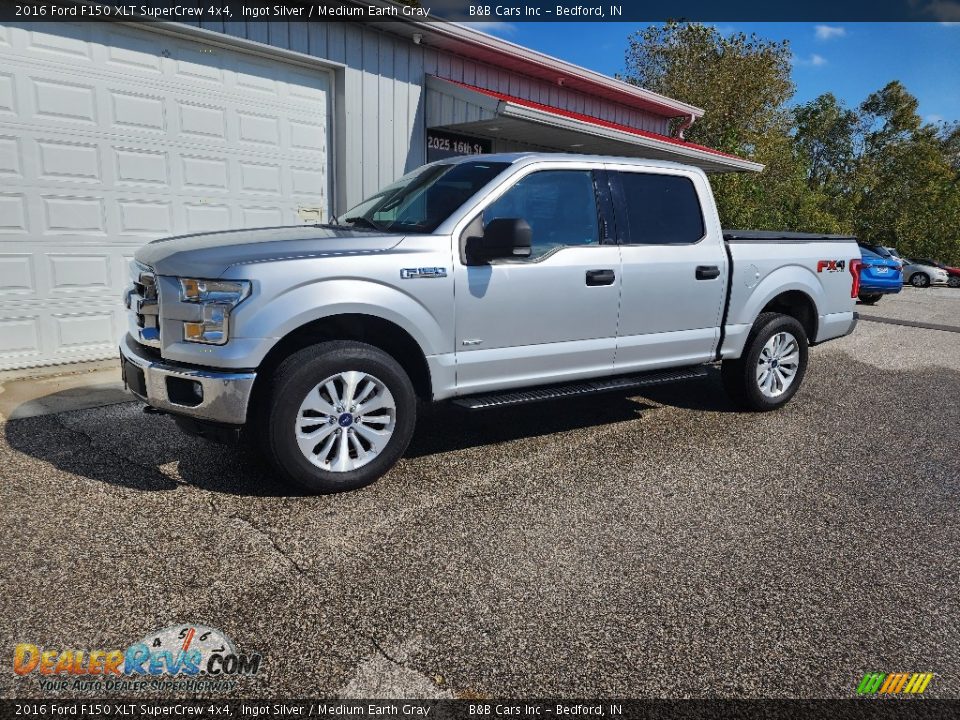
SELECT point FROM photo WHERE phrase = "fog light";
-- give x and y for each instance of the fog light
(183, 391)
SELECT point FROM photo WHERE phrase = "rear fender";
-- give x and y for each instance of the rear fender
(745, 309)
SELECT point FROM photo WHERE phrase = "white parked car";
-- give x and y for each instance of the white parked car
(922, 273)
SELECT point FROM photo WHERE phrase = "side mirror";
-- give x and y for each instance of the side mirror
(502, 238)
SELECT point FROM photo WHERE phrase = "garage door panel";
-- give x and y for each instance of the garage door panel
(260, 178)
(262, 216)
(8, 100)
(10, 165)
(206, 121)
(64, 100)
(204, 173)
(84, 331)
(73, 215)
(72, 273)
(133, 53)
(193, 64)
(145, 218)
(111, 136)
(258, 129)
(20, 337)
(137, 166)
(138, 111)
(204, 217)
(75, 161)
(72, 42)
(13, 213)
(17, 275)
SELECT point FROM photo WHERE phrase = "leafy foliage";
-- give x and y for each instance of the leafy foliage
(877, 170)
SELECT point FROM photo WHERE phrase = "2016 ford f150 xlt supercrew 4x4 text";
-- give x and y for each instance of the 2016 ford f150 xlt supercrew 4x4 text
(487, 280)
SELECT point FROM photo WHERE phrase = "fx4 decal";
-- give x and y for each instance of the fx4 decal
(831, 265)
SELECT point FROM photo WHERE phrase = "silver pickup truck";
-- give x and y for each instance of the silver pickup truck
(486, 280)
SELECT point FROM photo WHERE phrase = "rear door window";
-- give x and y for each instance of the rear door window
(658, 209)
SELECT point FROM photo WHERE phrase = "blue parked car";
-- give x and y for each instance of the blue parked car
(879, 275)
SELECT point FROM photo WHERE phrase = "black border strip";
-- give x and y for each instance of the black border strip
(910, 323)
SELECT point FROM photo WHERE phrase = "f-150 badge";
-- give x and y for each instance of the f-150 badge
(424, 272)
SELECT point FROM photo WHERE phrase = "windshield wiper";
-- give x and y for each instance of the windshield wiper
(361, 221)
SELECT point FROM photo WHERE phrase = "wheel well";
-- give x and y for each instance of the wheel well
(383, 334)
(799, 305)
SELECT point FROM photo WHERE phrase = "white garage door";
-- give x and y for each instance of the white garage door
(111, 136)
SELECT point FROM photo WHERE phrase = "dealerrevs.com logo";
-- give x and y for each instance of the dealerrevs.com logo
(894, 683)
(188, 658)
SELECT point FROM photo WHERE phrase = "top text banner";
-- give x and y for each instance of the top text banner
(508, 11)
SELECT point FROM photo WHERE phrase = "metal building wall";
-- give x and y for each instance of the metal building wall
(383, 102)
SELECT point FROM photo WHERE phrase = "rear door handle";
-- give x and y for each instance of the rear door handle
(707, 272)
(600, 277)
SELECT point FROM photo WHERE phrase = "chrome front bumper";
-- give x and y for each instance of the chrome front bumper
(165, 386)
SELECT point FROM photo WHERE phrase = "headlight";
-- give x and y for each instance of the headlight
(216, 298)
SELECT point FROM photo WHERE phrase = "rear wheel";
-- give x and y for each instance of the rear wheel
(772, 366)
(340, 415)
(920, 280)
(870, 298)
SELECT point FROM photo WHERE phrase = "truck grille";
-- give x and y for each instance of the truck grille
(142, 301)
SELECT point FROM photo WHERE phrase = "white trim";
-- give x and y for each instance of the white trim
(232, 42)
(469, 36)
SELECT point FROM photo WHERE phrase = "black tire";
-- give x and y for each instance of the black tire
(953, 281)
(297, 376)
(870, 298)
(740, 375)
(920, 280)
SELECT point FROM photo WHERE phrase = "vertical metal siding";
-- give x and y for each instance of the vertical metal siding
(385, 105)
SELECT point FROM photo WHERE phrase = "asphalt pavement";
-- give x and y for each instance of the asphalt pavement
(662, 545)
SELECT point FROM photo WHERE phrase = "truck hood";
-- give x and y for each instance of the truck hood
(208, 255)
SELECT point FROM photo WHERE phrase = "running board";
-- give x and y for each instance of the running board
(578, 389)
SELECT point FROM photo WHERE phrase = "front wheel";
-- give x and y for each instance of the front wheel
(870, 298)
(772, 366)
(954, 281)
(920, 280)
(340, 414)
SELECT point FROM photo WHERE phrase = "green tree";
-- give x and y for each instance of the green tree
(877, 170)
(743, 83)
(907, 178)
(826, 134)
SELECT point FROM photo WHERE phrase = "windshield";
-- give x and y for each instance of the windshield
(419, 201)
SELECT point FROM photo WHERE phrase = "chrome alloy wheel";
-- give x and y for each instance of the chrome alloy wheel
(345, 421)
(778, 364)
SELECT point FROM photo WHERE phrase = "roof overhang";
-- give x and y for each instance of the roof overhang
(511, 118)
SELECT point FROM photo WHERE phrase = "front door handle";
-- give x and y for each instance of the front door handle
(707, 272)
(600, 277)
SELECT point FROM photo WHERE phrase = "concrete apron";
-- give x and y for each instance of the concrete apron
(58, 388)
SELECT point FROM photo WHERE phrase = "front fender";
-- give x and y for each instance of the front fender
(428, 320)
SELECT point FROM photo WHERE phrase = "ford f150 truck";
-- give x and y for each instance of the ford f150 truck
(486, 280)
